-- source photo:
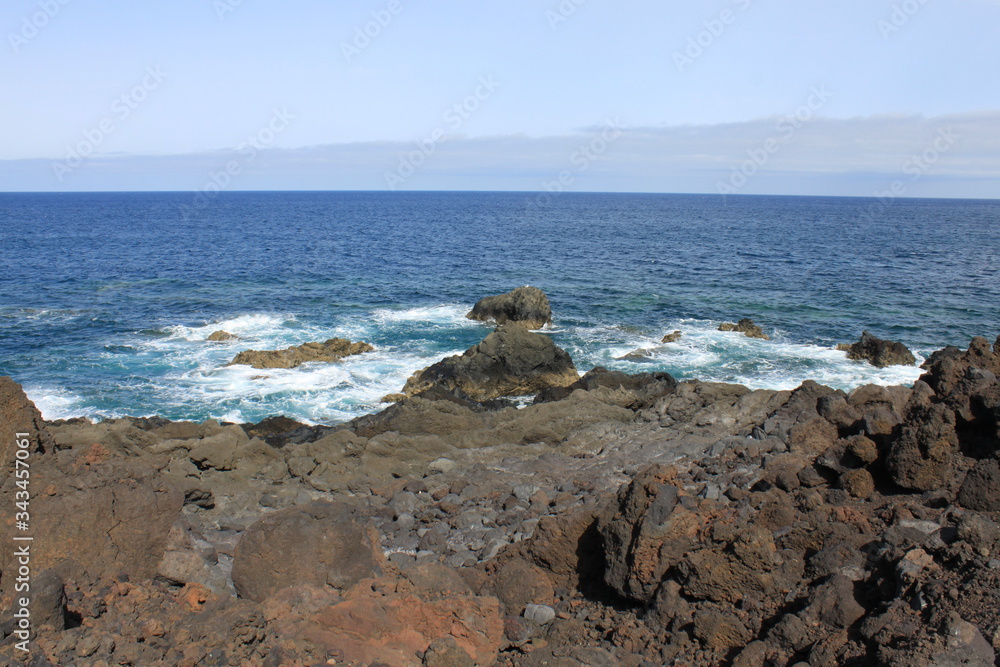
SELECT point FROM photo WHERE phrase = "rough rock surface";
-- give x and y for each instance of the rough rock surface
(623, 520)
(672, 337)
(880, 353)
(528, 306)
(747, 327)
(321, 544)
(511, 361)
(333, 349)
(221, 337)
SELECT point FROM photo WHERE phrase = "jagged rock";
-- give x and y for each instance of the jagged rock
(511, 361)
(921, 459)
(221, 337)
(528, 306)
(747, 327)
(638, 356)
(981, 489)
(880, 353)
(323, 543)
(19, 415)
(332, 350)
(48, 600)
(672, 337)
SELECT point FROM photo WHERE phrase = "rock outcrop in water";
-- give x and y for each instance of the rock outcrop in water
(619, 520)
(332, 350)
(511, 361)
(880, 353)
(221, 337)
(747, 327)
(528, 306)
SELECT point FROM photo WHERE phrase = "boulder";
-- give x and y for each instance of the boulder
(747, 327)
(511, 361)
(880, 353)
(526, 305)
(221, 337)
(333, 349)
(672, 337)
(322, 543)
(981, 489)
(921, 459)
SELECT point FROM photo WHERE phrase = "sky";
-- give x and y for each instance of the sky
(818, 97)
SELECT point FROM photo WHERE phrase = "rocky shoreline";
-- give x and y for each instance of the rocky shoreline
(617, 520)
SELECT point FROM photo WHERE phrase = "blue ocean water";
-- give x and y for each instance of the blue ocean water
(106, 299)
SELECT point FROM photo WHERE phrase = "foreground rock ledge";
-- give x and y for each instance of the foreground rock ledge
(528, 306)
(624, 520)
(333, 349)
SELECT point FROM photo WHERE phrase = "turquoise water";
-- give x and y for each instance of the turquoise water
(106, 299)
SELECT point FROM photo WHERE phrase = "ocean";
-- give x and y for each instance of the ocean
(106, 299)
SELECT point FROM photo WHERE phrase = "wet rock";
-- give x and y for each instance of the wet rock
(880, 353)
(511, 361)
(672, 337)
(323, 543)
(746, 327)
(221, 337)
(528, 306)
(331, 350)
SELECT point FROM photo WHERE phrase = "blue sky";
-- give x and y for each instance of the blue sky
(849, 97)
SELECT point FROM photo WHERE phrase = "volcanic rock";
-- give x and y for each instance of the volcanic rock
(880, 353)
(333, 349)
(672, 337)
(528, 306)
(511, 361)
(221, 337)
(323, 544)
(747, 327)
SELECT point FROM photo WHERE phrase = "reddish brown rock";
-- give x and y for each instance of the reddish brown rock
(921, 459)
(21, 422)
(812, 437)
(323, 544)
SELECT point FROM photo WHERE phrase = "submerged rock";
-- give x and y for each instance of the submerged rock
(747, 327)
(526, 305)
(880, 353)
(511, 361)
(333, 349)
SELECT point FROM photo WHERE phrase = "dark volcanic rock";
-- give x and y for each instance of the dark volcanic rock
(322, 544)
(880, 353)
(526, 305)
(333, 349)
(981, 489)
(747, 327)
(511, 361)
(922, 458)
